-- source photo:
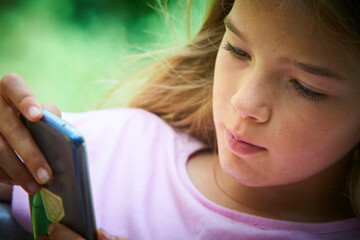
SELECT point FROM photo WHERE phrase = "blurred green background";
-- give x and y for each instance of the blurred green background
(68, 50)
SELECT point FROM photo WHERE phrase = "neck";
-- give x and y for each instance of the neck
(320, 198)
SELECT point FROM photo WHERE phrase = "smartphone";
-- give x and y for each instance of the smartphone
(64, 148)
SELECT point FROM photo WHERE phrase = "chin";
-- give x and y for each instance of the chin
(247, 176)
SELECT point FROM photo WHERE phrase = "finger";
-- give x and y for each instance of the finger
(5, 192)
(58, 231)
(21, 141)
(14, 170)
(14, 90)
(52, 108)
(103, 235)
(4, 177)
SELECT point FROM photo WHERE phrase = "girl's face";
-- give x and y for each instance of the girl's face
(286, 97)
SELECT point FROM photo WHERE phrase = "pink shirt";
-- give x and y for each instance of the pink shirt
(141, 189)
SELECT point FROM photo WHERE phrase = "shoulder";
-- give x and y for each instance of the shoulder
(125, 125)
(116, 115)
(114, 120)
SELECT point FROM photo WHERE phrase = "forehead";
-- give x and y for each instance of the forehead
(277, 19)
(290, 28)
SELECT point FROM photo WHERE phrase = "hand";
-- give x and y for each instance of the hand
(58, 231)
(15, 98)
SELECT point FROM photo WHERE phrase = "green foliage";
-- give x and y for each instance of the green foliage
(67, 50)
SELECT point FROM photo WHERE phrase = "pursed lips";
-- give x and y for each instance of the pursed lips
(241, 138)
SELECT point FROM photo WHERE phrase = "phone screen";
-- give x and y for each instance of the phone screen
(67, 197)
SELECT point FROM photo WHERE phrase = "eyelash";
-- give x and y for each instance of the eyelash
(237, 53)
(306, 92)
(301, 90)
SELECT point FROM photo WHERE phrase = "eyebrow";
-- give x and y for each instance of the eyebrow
(312, 69)
(315, 70)
(233, 29)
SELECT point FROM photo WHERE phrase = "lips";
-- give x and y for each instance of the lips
(241, 146)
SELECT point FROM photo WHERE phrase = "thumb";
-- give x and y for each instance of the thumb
(104, 235)
(58, 231)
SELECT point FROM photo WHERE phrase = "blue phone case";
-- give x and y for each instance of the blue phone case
(64, 148)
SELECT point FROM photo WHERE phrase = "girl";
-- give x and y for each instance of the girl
(251, 132)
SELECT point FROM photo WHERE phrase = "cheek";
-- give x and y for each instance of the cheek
(223, 82)
(307, 144)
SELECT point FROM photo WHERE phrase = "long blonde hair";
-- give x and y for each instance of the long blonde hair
(179, 89)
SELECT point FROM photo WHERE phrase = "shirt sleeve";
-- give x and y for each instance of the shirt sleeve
(20, 208)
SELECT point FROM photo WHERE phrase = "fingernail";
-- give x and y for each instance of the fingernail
(50, 229)
(34, 112)
(32, 187)
(43, 175)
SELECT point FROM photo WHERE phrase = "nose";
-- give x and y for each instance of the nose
(252, 100)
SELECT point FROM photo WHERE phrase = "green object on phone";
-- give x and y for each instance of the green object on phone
(38, 215)
(46, 208)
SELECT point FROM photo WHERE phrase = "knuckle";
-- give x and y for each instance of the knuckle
(20, 174)
(2, 153)
(31, 158)
(7, 110)
(10, 130)
(3, 149)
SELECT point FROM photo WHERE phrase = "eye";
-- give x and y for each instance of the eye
(238, 53)
(306, 92)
